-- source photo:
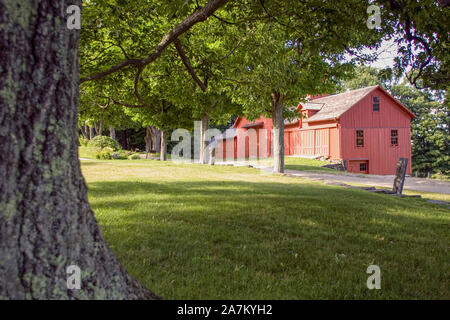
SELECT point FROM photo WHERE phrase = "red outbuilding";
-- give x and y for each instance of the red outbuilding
(367, 129)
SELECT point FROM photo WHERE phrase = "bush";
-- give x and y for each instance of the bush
(105, 154)
(134, 156)
(103, 142)
(82, 141)
(108, 153)
(121, 154)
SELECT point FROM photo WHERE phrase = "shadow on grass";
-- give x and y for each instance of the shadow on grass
(246, 240)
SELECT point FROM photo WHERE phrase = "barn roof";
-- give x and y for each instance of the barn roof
(335, 105)
(312, 105)
(253, 124)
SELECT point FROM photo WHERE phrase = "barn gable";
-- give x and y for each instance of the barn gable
(334, 106)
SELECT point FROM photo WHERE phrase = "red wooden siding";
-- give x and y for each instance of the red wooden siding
(334, 144)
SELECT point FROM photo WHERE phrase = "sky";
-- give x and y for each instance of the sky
(388, 52)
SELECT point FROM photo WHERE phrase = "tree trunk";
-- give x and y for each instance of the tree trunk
(212, 155)
(203, 144)
(156, 139)
(96, 128)
(46, 223)
(148, 140)
(112, 133)
(91, 133)
(124, 140)
(278, 132)
(100, 127)
(84, 131)
(164, 139)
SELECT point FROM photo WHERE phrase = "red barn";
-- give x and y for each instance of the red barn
(367, 129)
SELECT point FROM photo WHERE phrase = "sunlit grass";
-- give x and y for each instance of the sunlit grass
(191, 231)
(304, 164)
(87, 152)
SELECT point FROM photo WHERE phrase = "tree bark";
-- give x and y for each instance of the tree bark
(164, 139)
(278, 132)
(46, 223)
(203, 143)
(112, 133)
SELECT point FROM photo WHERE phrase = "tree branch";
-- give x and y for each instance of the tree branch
(198, 16)
(136, 85)
(189, 68)
(127, 105)
(410, 37)
(223, 20)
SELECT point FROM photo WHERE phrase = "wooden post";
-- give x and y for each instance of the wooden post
(400, 173)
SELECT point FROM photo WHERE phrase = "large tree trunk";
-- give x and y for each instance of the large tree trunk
(46, 223)
(278, 132)
(112, 133)
(164, 139)
(203, 144)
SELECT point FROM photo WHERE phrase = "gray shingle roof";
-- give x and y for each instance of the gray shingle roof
(336, 105)
(312, 106)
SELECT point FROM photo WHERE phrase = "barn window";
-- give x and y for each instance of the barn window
(363, 167)
(376, 104)
(394, 137)
(360, 138)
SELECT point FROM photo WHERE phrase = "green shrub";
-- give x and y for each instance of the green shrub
(134, 156)
(103, 142)
(105, 154)
(82, 141)
(121, 154)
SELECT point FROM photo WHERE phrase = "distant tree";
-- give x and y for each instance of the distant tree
(420, 29)
(364, 76)
(430, 131)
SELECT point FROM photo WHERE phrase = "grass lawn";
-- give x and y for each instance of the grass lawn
(201, 232)
(304, 164)
(87, 152)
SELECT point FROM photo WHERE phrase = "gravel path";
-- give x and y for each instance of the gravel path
(417, 184)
